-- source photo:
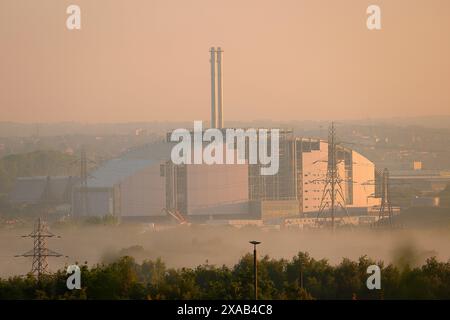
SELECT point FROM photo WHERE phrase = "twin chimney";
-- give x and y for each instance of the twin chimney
(216, 92)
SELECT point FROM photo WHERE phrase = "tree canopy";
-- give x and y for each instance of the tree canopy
(302, 277)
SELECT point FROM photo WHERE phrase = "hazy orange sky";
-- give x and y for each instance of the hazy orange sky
(286, 60)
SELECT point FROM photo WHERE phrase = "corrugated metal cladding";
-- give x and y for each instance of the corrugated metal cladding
(123, 187)
(130, 186)
(116, 170)
(93, 202)
(43, 189)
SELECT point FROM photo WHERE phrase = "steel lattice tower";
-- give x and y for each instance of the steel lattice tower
(332, 194)
(83, 182)
(385, 207)
(83, 162)
(40, 252)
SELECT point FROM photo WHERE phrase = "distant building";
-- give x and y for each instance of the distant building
(224, 192)
(417, 165)
(201, 192)
(425, 202)
(357, 175)
(227, 191)
(122, 187)
(53, 190)
(145, 184)
(423, 180)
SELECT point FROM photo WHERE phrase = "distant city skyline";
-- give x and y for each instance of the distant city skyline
(289, 60)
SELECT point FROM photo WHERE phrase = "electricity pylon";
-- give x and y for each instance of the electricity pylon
(385, 206)
(332, 194)
(83, 182)
(40, 252)
(84, 162)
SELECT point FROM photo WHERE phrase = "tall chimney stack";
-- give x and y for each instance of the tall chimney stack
(219, 89)
(213, 87)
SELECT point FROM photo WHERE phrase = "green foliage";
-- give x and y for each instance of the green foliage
(301, 278)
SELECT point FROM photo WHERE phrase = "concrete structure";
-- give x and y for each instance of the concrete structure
(312, 156)
(216, 59)
(219, 89)
(217, 189)
(212, 61)
(269, 210)
(363, 183)
(357, 175)
(201, 191)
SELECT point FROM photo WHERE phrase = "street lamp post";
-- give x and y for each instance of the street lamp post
(301, 275)
(255, 269)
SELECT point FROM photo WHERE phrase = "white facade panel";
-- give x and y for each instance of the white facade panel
(217, 189)
(314, 174)
(362, 186)
(363, 181)
(143, 193)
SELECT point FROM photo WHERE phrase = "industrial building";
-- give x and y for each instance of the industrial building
(155, 187)
(125, 187)
(356, 171)
(148, 188)
(235, 191)
(205, 191)
(42, 190)
(430, 181)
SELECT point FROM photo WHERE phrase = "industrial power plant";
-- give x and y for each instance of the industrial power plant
(317, 181)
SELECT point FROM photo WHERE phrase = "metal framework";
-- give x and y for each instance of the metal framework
(332, 194)
(282, 185)
(40, 252)
(82, 189)
(385, 212)
(176, 202)
(83, 182)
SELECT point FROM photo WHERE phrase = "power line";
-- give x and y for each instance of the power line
(84, 163)
(83, 182)
(385, 213)
(332, 189)
(40, 252)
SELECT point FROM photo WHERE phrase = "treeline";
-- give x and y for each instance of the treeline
(299, 278)
(36, 163)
